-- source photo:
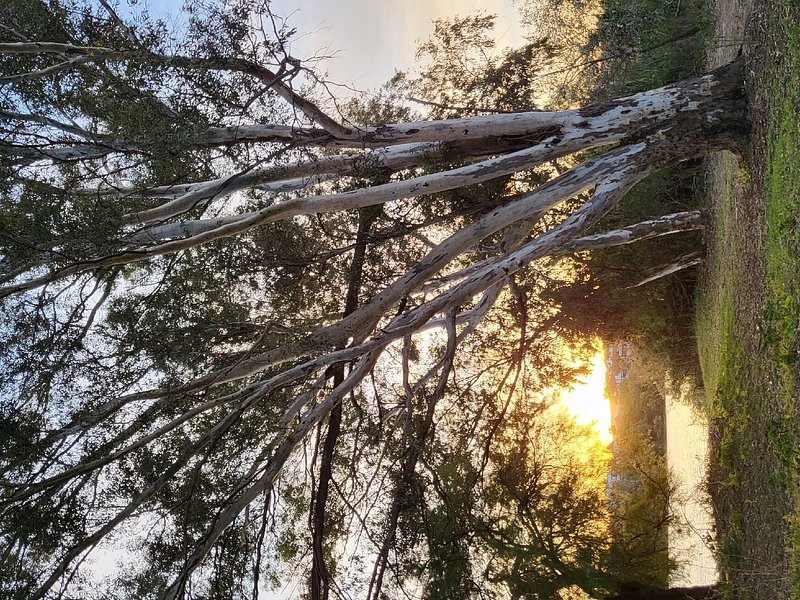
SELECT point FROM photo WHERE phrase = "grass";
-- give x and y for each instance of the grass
(748, 319)
(783, 238)
(714, 322)
(782, 308)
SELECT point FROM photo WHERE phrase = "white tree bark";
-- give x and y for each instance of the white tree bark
(681, 263)
(292, 178)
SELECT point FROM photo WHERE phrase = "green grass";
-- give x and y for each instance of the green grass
(783, 239)
(748, 329)
(782, 307)
(714, 320)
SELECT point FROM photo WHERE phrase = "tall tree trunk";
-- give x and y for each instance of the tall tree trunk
(320, 574)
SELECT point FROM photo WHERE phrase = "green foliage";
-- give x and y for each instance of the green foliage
(782, 306)
(385, 105)
(73, 347)
(782, 314)
(42, 216)
(640, 503)
(633, 31)
(448, 529)
(470, 75)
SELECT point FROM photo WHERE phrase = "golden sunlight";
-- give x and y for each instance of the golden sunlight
(587, 401)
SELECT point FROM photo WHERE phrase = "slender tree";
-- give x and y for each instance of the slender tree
(206, 276)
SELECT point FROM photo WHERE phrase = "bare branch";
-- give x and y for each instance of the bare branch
(679, 264)
(47, 71)
(95, 52)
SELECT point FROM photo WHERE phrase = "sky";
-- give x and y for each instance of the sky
(369, 39)
(587, 402)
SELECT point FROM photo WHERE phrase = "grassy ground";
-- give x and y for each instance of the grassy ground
(748, 315)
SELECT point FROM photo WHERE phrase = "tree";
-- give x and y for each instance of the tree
(203, 269)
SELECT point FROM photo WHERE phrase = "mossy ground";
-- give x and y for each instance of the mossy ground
(748, 320)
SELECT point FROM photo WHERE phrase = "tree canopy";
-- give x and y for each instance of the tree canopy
(256, 340)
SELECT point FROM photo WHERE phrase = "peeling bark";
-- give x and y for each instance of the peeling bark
(686, 261)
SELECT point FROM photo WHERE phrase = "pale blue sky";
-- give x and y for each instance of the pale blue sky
(370, 38)
(367, 39)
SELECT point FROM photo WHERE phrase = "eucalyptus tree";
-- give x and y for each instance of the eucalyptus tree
(202, 266)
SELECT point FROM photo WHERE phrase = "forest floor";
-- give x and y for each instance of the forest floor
(748, 312)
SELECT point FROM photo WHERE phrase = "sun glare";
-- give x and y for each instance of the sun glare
(587, 401)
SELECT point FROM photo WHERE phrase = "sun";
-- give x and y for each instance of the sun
(587, 401)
